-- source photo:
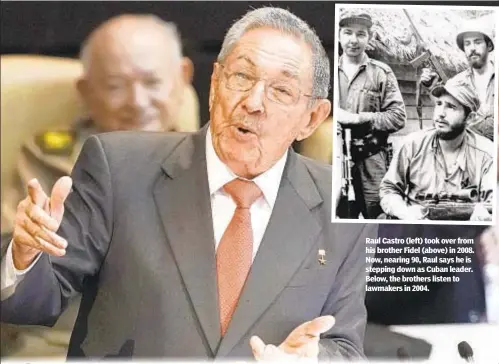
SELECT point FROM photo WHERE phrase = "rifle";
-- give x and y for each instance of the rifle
(426, 57)
(347, 190)
(451, 206)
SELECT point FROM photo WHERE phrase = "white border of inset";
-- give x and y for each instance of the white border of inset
(337, 167)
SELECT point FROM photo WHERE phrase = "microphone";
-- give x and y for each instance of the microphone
(403, 354)
(465, 351)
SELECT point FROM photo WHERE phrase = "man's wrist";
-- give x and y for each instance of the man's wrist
(21, 261)
(364, 117)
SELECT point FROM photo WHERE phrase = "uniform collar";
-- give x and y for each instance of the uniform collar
(365, 60)
(461, 158)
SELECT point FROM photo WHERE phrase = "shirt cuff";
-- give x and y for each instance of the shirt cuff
(11, 276)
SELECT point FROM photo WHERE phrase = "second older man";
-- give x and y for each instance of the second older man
(134, 78)
(224, 234)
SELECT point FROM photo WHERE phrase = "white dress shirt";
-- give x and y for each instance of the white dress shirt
(222, 205)
(222, 209)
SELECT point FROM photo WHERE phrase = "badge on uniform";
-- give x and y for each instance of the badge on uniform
(56, 142)
(321, 257)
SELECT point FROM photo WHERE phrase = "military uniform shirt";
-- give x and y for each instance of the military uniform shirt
(373, 93)
(47, 157)
(484, 122)
(419, 167)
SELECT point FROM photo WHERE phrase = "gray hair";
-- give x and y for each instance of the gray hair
(169, 28)
(288, 23)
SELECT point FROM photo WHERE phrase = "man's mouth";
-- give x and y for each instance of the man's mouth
(243, 130)
(243, 133)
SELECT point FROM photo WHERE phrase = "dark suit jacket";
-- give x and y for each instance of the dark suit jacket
(142, 252)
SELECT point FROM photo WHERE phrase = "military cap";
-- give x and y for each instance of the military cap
(363, 19)
(461, 91)
(474, 26)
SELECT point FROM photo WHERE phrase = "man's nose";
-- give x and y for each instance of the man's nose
(254, 100)
(441, 112)
(139, 96)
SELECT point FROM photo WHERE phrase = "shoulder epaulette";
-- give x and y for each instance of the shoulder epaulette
(56, 142)
(381, 65)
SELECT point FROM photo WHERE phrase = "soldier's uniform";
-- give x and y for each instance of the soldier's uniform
(483, 123)
(47, 157)
(374, 94)
(419, 167)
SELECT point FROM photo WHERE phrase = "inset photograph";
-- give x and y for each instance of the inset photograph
(415, 114)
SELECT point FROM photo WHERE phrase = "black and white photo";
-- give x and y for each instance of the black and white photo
(415, 114)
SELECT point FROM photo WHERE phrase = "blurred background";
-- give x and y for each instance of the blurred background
(37, 95)
(58, 28)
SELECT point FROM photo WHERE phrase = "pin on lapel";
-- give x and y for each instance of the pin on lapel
(322, 257)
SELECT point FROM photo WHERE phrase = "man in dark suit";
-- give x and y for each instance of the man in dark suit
(115, 58)
(212, 244)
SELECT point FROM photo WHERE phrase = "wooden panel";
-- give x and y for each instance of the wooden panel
(404, 73)
(412, 113)
(410, 100)
(409, 87)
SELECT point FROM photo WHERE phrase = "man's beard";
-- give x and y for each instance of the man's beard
(453, 133)
(477, 63)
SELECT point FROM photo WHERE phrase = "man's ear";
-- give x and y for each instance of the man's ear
(187, 70)
(83, 89)
(490, 46)
(320, 112)
(471, 116)
(370, 34)
(213, 84)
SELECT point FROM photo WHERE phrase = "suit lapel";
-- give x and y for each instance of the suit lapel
(183, 202)
(289, 236)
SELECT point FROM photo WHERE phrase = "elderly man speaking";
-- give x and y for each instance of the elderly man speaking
(215, 244)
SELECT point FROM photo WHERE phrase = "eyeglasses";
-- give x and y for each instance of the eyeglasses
(278, 91)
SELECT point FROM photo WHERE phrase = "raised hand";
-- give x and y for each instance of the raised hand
(301, 344)
(37, 219)
(428, 77)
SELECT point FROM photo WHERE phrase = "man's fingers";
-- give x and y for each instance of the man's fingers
(40, 217)
(50, 248)
(38, 231)
(36, 193)
(307, 333)
(258, 347)
(60, 192)
(320, 325)
(26, 240)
